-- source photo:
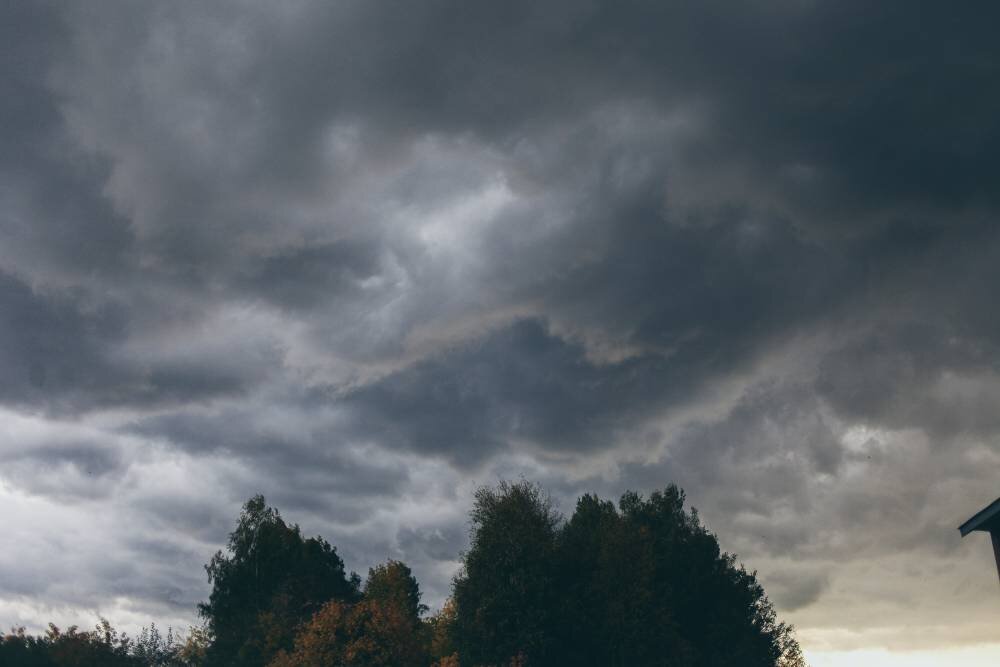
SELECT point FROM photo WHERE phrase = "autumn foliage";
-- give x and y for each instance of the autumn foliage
(381, 630)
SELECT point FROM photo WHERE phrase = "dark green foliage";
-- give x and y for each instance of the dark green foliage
(506, 597)
(269, 582)
(596, 578)
(648, 582)
(102, 646)
(641, 584)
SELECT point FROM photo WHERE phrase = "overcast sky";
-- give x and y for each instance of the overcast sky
(364, 256)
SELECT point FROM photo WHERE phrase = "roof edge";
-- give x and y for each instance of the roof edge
(981, 517)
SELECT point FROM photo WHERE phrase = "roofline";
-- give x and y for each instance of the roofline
(980, 517)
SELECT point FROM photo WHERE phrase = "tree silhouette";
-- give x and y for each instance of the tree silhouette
(641, 584)
(506, 595)
(269, 581)
(72, 648)
(646, 583)
(636, 584)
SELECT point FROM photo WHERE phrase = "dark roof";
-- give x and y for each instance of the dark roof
(984, 519)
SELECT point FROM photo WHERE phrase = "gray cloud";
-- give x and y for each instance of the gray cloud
(796, 590)
(520, 383)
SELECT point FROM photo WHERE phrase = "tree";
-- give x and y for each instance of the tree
(393, 583)
(506, 595)
(155, 650)
(639, 584)
(193, 650)
(647, 583)
(643, 583)
(382, 630)
(600, 594)
(68, 648)
(269, 581)
(441, 628)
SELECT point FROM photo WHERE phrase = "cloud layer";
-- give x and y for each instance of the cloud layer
(362, 257)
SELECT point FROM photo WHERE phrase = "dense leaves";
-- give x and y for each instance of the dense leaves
(382, 630)
(641, 584)
(646, 583)
(507, 596)
(102, 646)
(270, 581)
(634, 584)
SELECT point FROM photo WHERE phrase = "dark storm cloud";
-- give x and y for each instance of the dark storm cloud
(413, 86)
(754, 470)
(520, 383)
(304, 461)
(781, 474)
(70, 472)
(64, 351)
(67, 258)
(182, 514)
(350, 253)
(305, 278)
(523, 383)
(796, 590)
(52, 346)
(53, 214)
(927, 356)
(916, 374)
(838, 96)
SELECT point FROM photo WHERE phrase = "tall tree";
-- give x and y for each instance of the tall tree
(601, 594)
(643, 583)
(506, 596)
(270, 580)
(647, 584)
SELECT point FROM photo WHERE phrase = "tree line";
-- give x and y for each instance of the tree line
(641, 582)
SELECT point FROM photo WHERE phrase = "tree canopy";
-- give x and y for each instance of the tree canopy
(383, 629)
(102, 646)
(269, 581)
(637, 583)
(643, 583)
(506, 597)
